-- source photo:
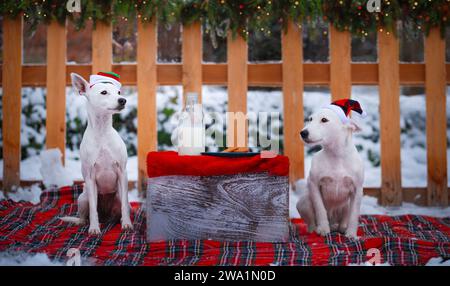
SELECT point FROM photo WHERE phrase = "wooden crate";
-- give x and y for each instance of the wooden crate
(241, 207)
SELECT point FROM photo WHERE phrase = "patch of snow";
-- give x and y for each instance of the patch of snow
(73, 164)
(33, 193)
(132, 168)
(438, 261)
(30, 194)
(367, 263)
(25, 259)
(52, 171)
(30, 168)
(370, 206)
(134, 196)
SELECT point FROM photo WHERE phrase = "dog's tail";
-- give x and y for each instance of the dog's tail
(72, 219)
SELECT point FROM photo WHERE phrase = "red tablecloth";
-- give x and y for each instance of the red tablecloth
(169, 163)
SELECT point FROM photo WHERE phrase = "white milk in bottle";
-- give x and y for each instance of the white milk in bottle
(191, 139)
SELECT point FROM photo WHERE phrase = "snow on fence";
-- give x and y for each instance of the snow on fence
(292, 74)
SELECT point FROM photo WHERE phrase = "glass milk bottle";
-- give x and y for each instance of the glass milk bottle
(192, 134)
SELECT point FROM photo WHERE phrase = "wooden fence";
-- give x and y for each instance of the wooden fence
(291, 74)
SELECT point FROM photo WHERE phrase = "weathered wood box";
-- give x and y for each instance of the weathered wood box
(250, 206)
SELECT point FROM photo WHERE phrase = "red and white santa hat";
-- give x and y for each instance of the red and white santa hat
(108, 77)
(343, 107)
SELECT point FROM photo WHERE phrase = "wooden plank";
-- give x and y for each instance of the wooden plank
(364, 74)
(367, 74)
(12, 107)
(101, 48)
(316, 74)
(214, 74)
(388, 69)
(83, 70)
(250, 207)
(258, 74)
(147, 130)
(169, 74)
(340, 64)
(292, 54)
(436, 126)
(237, 55)
(128, 73)
(265, 74)
(412, 74)
(56, 87)
(192, 59)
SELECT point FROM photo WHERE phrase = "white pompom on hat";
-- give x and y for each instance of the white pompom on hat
(343, 107)
(109, 77)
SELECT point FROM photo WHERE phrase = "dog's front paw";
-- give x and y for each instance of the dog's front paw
(127, 226)
(342, 228)
(350, 233)
(94, 230)
(323, 229)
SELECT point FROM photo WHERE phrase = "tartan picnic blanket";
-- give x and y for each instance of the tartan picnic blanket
(401, 240)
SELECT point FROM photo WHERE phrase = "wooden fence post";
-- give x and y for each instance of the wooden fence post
(293, 99)
(389, 84)
(237, 74)
(12, 106)
(56, 87)
(192, 59)
(147, 130)
(340, 64)
(436, 126)
(101, 48)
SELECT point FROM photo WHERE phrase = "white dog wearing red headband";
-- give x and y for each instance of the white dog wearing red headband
(103, 155)
(334, 190)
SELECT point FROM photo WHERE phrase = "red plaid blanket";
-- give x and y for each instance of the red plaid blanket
(402, 240)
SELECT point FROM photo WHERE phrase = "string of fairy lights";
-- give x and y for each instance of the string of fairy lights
(243, 16)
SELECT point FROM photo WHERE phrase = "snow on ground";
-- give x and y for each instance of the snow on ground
(30, 167)
(29, 194)
(33, 194)
(24, 259)
(39, 259)
(52, 170)
(367, 263)
(438, 261)
(134, 196)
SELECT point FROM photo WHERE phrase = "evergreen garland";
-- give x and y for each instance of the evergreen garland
(240, 16)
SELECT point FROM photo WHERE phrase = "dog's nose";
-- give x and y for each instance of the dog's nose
(122, 101)
(304, 134)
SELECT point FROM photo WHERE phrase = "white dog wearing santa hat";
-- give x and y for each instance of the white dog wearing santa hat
(334, 190)
(103, 155)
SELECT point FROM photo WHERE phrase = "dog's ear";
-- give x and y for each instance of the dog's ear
(354, 126)
(79, 83)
